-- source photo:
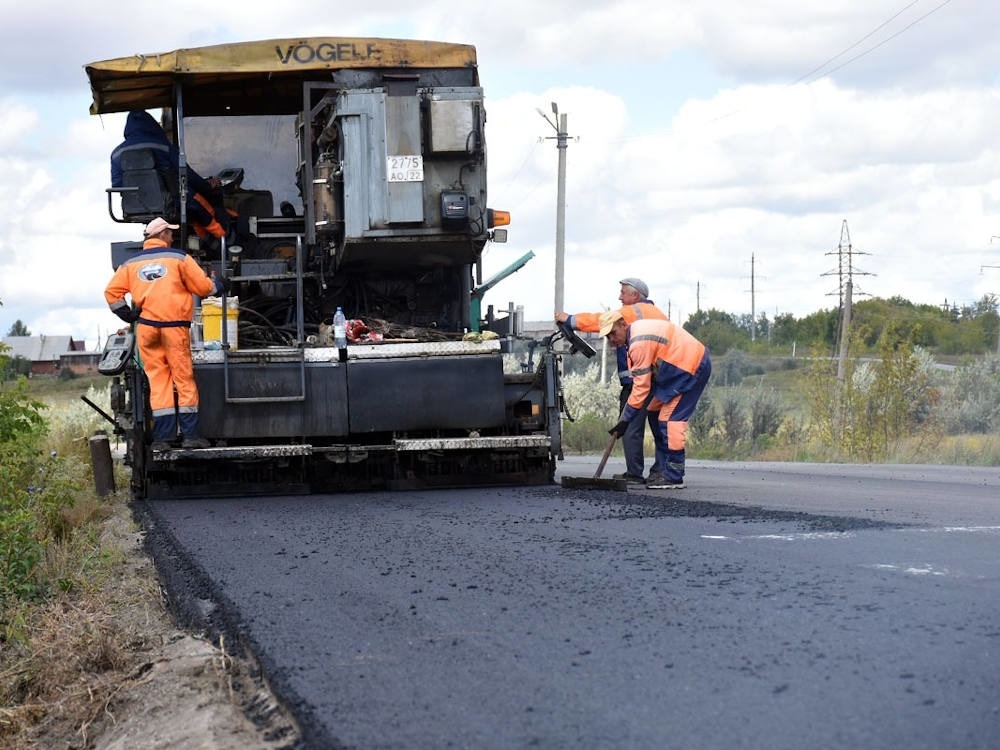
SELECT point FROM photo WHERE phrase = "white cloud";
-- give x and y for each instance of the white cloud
(900, 143)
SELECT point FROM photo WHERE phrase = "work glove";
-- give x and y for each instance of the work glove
(223, 286)
(127, 314)
(619, 429)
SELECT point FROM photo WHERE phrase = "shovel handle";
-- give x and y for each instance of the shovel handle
(604, 458)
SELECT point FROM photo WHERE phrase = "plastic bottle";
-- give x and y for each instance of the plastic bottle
(197, 342)
(339, 329)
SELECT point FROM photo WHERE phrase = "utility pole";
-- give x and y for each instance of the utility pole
(844, 328)
(753, 297)
(846, 273)
(998, 311)
(562, 141)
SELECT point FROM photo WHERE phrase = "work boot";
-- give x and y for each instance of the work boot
(160, 445)
(659, 482)
(630, 478)
(195, 442)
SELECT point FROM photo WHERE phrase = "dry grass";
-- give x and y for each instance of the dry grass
(968, 450)
(103, 665)
(98, 662)
(76, 651)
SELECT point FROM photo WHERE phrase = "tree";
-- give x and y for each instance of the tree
(18, 329)
(719, 331)
(784, 331)
(818, 329)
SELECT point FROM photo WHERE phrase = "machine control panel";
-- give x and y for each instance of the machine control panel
(117, 352)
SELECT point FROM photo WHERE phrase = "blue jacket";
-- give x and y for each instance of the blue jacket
(143, 131)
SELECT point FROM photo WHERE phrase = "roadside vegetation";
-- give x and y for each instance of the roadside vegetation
(919, 384)
(88, 653)
(900, 408)
(63, 648)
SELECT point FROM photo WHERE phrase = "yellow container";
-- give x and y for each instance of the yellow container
(211, 317)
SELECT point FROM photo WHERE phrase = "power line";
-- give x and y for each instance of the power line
(889, 38)
(844, 64)
(530, 152)
(848, 49)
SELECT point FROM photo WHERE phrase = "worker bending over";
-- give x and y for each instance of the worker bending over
(636, 305)
(670, 369)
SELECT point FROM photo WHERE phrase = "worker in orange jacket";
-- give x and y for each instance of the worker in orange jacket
(161, 281)
(636, 305)
(670, 369)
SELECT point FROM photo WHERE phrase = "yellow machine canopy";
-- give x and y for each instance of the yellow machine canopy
(261, 76)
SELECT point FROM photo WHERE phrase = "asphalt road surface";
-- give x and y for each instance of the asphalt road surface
(765, 606)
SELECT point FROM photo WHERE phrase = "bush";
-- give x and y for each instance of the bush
(20, 416)
(12, 368)
(733, 366)
(704, 421)
(21, 428)
(20, 555)
(587, 434)
(766, 414)
(730, 368)
(971, 398)
(592, 409)
(867, 414)
(746, 420)
(585, 395)
(46, 497)
(733, 421)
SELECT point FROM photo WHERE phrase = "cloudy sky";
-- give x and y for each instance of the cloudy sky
(715, 147)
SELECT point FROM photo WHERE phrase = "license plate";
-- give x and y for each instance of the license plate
(405, 168)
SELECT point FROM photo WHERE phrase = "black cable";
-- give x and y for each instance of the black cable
(848, 49)
(889, 38)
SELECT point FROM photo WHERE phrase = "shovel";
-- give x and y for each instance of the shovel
(596, 482)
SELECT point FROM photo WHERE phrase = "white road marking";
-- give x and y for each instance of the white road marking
(805, 535)
(924, 569)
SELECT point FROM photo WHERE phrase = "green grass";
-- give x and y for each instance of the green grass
(57, 391)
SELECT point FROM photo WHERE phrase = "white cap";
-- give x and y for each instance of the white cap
(157, 225)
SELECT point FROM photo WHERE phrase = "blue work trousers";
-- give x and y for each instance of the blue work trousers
(634, 437)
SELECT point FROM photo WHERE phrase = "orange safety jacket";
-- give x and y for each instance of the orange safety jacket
(213, 228)
(591, 323)
(663, 359)
(161, 280)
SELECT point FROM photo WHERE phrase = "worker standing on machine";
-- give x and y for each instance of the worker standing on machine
(634, 296)
(160, 280)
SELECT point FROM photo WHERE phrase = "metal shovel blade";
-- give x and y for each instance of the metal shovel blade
(595, 482)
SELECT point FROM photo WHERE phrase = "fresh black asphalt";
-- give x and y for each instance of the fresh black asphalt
(551, 618)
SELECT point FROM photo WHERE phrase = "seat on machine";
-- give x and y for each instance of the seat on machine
(154, 196)
(257, 203)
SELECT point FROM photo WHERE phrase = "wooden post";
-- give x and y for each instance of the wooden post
(100, 459)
